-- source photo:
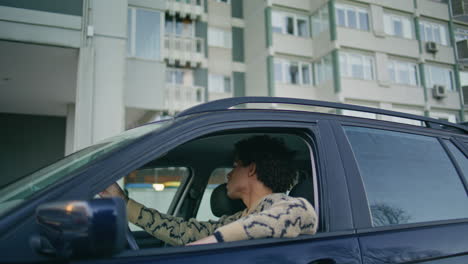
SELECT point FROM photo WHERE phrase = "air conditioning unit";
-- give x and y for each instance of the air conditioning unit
(431, 47)
(439, 91)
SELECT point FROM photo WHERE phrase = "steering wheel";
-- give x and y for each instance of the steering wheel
(132, 244)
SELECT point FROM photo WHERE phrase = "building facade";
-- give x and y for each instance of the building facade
(396, 55)
(75, 72)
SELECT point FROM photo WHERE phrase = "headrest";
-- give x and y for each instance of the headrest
(221, 204)
(304, 189)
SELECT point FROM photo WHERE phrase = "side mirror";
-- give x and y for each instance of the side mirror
(77, 229)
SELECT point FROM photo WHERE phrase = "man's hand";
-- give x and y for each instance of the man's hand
(206, 240)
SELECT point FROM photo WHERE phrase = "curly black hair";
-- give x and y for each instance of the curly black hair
(272, 158)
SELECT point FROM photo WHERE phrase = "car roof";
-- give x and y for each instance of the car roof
(230, 103)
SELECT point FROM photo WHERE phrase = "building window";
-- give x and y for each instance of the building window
(461, 34)
(436, 75)
(219, 83)
(355, 65)
(144, 31)
(399, 26)
(402, 72)
(179, 76)
(433, 32)
(293, 72)
(323, 70)
(320, 21)
(179, 26)
(352, 17)
(292, 24)
(219, 38)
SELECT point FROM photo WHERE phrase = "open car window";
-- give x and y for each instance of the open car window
(187, 192)
(155, 187)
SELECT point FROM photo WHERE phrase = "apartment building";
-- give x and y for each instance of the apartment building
(75, 72)
(397, 55)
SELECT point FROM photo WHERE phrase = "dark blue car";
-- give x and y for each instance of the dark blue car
(385, 192)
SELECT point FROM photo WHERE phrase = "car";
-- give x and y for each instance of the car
(384, 192)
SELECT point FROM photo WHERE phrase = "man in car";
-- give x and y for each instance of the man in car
(261, 174)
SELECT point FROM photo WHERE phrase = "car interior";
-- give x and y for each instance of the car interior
(189, 181)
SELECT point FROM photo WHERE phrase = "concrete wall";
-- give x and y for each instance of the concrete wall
(153, 4)
(297, 4)
(433, 9)
(367, 41)
(69, 7)
(219, 60)
(322, 45)
(219, 14)
(256, 51)
(405, 5)
(324, 92)
(316, 4)
(145, 83)
(452, 101)
(444, 55)
(28, 143)
(33, 26)
(293, 45)
(369, 91)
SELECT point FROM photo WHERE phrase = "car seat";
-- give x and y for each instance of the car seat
(221, 204)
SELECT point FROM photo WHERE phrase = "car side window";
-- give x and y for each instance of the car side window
(459, 157)
(155, 187)
(216, 178)
(408, 178)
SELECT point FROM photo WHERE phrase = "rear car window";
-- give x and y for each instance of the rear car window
(408, 178)
(461, 159)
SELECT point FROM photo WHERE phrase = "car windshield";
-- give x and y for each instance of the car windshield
(21, 190)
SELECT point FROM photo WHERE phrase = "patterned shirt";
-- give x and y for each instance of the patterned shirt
(275, 215)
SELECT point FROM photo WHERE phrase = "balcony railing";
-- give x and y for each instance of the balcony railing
(192, 8)
(183, 48)
(180, 97)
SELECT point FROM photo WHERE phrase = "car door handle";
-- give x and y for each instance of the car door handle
(323, 261)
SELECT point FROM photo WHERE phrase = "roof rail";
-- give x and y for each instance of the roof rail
(225, 104)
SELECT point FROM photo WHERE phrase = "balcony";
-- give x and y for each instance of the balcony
(184, 49)
(180, 97)
(190, 8)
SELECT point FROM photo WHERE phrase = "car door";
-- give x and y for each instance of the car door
(336, 243)
(408, 193)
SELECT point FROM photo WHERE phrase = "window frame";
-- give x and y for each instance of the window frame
(323, 24)
(423, 24)
(131, 25)
(408, 64)
(430, 82)
(357, 11)
(401, 18)
(295, 18)
(323, 72)
(226, 37)
(285, 70)
(211, 75)
(362, 59)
